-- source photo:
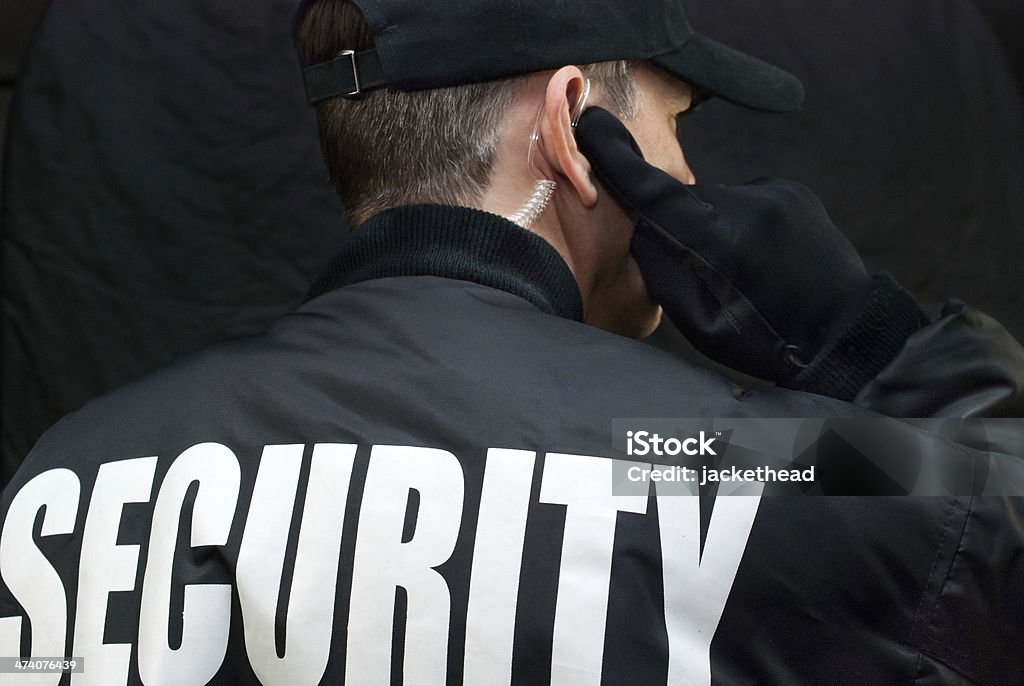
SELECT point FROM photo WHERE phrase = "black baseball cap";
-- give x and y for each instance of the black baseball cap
(422, 44)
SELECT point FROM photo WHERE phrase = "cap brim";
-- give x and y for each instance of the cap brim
(733, 75)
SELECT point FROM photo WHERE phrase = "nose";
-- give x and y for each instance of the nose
(689, 178)
(683, 172)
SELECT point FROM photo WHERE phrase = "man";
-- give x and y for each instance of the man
(411, 478)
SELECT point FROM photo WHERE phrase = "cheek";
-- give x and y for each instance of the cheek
(661, 148)
(672, 160)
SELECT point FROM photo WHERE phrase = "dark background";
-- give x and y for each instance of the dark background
(162, 187)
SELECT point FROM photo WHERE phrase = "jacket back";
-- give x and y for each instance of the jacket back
(410, 480)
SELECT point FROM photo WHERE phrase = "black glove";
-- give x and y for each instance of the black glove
(756, 276)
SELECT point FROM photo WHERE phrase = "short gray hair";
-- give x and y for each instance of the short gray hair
(393, 148)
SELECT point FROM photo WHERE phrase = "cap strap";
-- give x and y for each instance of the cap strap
(348, 75)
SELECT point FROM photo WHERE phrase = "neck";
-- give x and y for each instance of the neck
(609, 282)
(513, 199)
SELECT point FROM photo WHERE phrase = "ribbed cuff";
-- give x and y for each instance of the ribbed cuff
(890, 316)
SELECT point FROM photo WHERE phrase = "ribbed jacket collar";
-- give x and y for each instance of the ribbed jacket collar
(455, 243)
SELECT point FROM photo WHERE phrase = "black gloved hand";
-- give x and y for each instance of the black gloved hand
(756, 276)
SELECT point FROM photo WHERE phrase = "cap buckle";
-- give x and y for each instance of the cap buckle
(351, 54)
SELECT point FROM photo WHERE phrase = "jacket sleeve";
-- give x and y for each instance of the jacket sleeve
(964, 365)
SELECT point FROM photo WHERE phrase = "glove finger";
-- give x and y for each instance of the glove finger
(619, 163)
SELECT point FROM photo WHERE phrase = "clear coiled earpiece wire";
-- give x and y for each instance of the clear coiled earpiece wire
(543, 189)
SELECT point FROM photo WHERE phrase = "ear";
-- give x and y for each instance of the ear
(557, 143)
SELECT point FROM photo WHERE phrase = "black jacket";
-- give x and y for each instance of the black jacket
(419, 472)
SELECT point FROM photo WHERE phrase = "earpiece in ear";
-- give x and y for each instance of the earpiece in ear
(581, 104)
(544, 189)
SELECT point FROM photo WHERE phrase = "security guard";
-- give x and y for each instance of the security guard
(419, 476)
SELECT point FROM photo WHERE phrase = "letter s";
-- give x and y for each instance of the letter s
(28, 574)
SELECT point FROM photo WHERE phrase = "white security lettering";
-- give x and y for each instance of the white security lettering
(29, 575)
(207, 607)
(106, 566)
(310, 620)
(384, 562)
(584, 485)
(692, 617)
(497, 560)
